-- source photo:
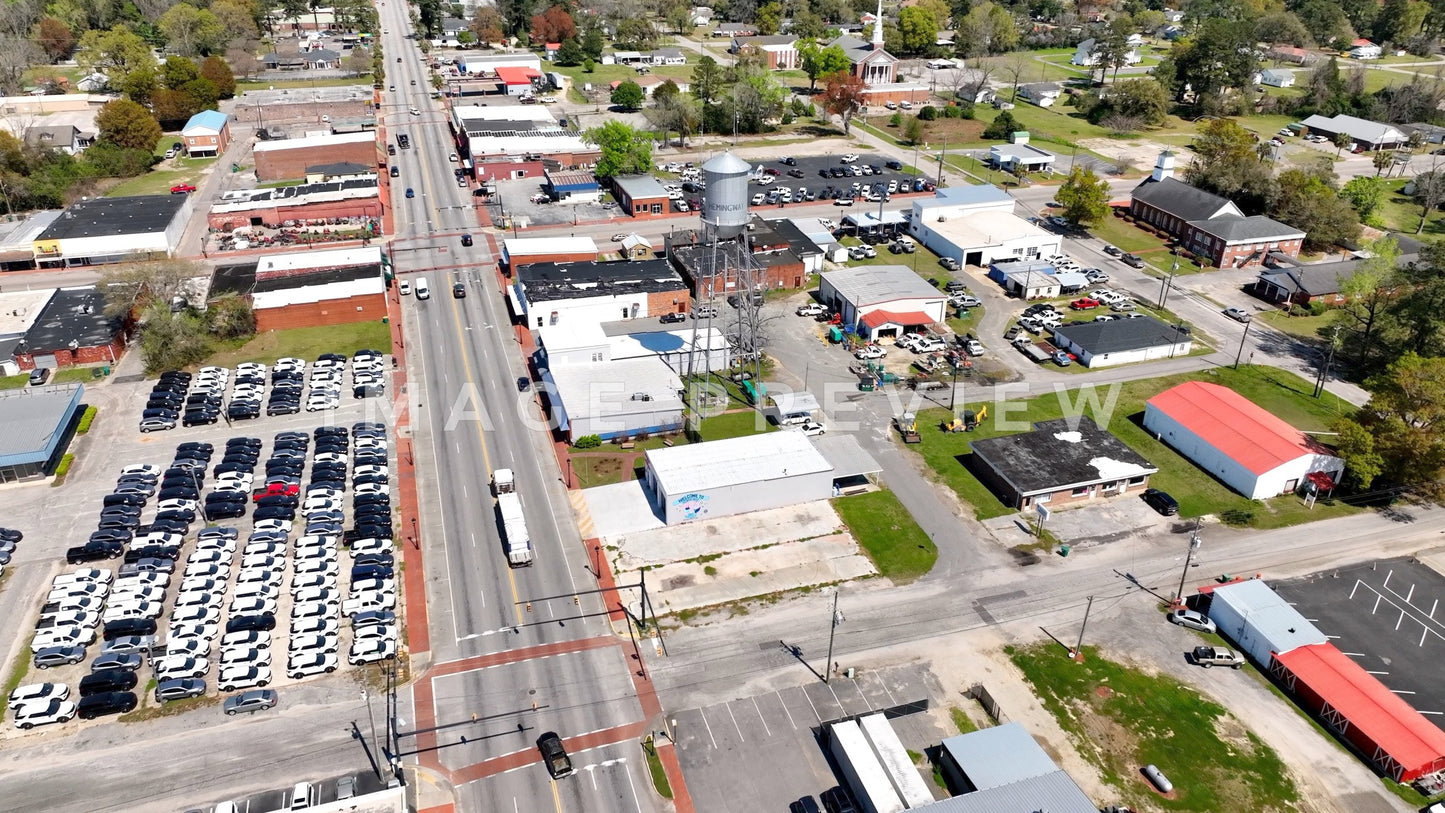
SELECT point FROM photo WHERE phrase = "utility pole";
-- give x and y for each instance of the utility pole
(1168, 281)
(1188, 559)
(1242, 338)
(941, 156)
(1079, 647)
(1329, 359)
(834, 619)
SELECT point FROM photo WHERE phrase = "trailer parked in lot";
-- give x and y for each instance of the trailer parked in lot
(1028, 348)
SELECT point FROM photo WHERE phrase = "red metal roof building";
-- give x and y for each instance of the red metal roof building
(1251, 450)
(1396, 738)
(517, 80)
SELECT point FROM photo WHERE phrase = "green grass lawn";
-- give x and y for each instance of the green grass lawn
(14, 382)
(654, 769)
(1302, 324)
(75, 375)
(1399, 212)
(1125, 236)
(883, 527)
(1283, 394)
(735, 425)
(923, 262)
(307, 343)
(1214, 761)
(336, 82)
(159, 181)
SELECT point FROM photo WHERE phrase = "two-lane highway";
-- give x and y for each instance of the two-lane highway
(517, 658)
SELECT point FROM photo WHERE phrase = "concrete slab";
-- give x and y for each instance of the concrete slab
(741, 575)
(663, 544)
(620, 509)
(1087, 525)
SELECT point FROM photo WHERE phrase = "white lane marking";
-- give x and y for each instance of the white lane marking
(841, 708)
(866, 701)
(708, 726)
(1401, 691)
(785, 710)
(1353, 654)
(627, 770)
(891, 699)
(767, 730)
(810, 704)
(1376, 672)
(729, 707)
(1436, 713)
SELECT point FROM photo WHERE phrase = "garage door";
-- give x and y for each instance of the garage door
(47, 361)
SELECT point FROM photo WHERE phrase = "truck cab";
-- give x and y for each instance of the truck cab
(554, 755)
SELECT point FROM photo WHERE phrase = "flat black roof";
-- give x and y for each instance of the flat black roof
(1058, 455)
(702, 261)
(322, 277)
(73, 314)
(543, 281)
(112, 217)
(233, 278)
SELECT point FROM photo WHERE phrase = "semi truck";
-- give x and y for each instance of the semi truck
(514, 522)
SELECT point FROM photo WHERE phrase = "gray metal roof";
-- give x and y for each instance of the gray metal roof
(32, 417)
(847, 457)
(1002, 755)
(746, 459)
(1054, 792)
(1370, 132)
(872, 284)
(1183, 201)
(1120, 335)
(1233, 229)
(726, 163)
(1268, 614)
(639, 187)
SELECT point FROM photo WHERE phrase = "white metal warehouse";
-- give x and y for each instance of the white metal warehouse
(736, 476)
(1259, 621)
(882, 300)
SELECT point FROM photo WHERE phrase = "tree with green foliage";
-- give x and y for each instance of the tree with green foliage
(1326, 23)
(215, 70)
(1356, 446)
(1140, 99)
(124, 123)
(817, 61)
(1084, 198)
(176, 71)
(808, 26)
(114, 52)
(913, 130)
(1283, 28)
(1002, 126)
(191, 31)
(1404, 414)
(570, 53)
(1429, 194)
(1220, 58)
(628, 95)
(987, 28)
(707, 81)
(1369, 294)
(769, 18)
(625, 150)
(636, 33)
(917, 29)
(1309, 202)
(1366, 195)
(1418, 314)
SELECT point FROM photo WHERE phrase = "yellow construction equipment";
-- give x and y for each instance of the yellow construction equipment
(908, 427)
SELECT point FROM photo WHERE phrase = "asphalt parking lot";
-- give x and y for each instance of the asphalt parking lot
(809, 166)
(516, 203)
(326, 793)
(1387, 616)
(762, 752)
(121, 444)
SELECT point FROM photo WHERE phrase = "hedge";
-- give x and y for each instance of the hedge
(85, 420)
(62, 469)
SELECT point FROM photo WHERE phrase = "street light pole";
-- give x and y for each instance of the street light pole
(833, 620)
(1242, 338)
(1169, 280)
(1188, 558)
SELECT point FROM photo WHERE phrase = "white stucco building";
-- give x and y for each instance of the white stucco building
(975, 225)
(882, 300)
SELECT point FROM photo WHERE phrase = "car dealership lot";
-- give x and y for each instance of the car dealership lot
(215, 594)
(1387, 616)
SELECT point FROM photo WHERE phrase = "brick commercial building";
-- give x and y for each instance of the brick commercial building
(1208, 225)
(72, 329)
(316, 288)
(1061, 462)
(288, 159)
(207, 133)
(549, 294)
(357, 199)
(779, 51)
(520, 251)
(641, 196)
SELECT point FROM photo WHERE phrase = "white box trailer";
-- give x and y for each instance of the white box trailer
(895, 761)
(861, 769)
(514, 527)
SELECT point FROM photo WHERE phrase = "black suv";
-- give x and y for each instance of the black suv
(121, 627)
(107, 680)
(243, 623)
(93, 551)
(97, 705)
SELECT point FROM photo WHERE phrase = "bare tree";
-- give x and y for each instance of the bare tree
(1014, 68)
(131, 287)
(18, 16)
(17, 55)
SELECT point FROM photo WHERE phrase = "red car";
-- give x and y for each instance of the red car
(276, 489)
(182, 188)
(1085, 304)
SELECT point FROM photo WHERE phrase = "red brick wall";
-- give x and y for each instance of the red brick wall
(291, 164)
(642, 207)
(360, 207)
(660, 302)
(204, 143)
(327, 312)
(502, 170)
(98, 354)
(578, 257)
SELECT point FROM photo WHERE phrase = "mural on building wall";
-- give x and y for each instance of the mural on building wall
(693, 506)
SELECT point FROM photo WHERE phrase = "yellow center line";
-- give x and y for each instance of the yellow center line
(556, 797)
(482, 439)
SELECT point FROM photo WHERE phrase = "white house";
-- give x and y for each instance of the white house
(1088, 53)
(882, 300)
(1020, 155)
(1275, 78)
(1238, 442)
(1043, 94)
(975, 225)
(1364, 49)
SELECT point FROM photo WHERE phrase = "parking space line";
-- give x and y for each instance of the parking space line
(729, 707)
(1401, 691)
(810, 704)
(708, 726)
(1376, 672)
(842, 708)
(892, 701)
(769, 731)
(1353, 654)
(785, 710)
(859, 689)
(1433, 713)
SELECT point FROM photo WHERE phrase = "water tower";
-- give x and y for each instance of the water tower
(725, 200)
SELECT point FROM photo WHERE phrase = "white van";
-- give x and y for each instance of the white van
(303, 796)
(422, 290)
(404, 288)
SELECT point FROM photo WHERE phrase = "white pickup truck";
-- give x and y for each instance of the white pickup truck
(1208, 656)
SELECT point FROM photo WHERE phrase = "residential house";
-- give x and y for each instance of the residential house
(1364, 49)
(1368, 135)
(1290, 53)
(1208, 225)
(1020, 156)
(669, 56)
(207, 133)
(94, 83)
(1043, 94)
(1123, 341)
(549, 51)
(1289, 281)
(1088, 53)
(321, 59)
(1276, 78)
(735, 30)
(65, 138)
(701, 15)
(779, 51)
